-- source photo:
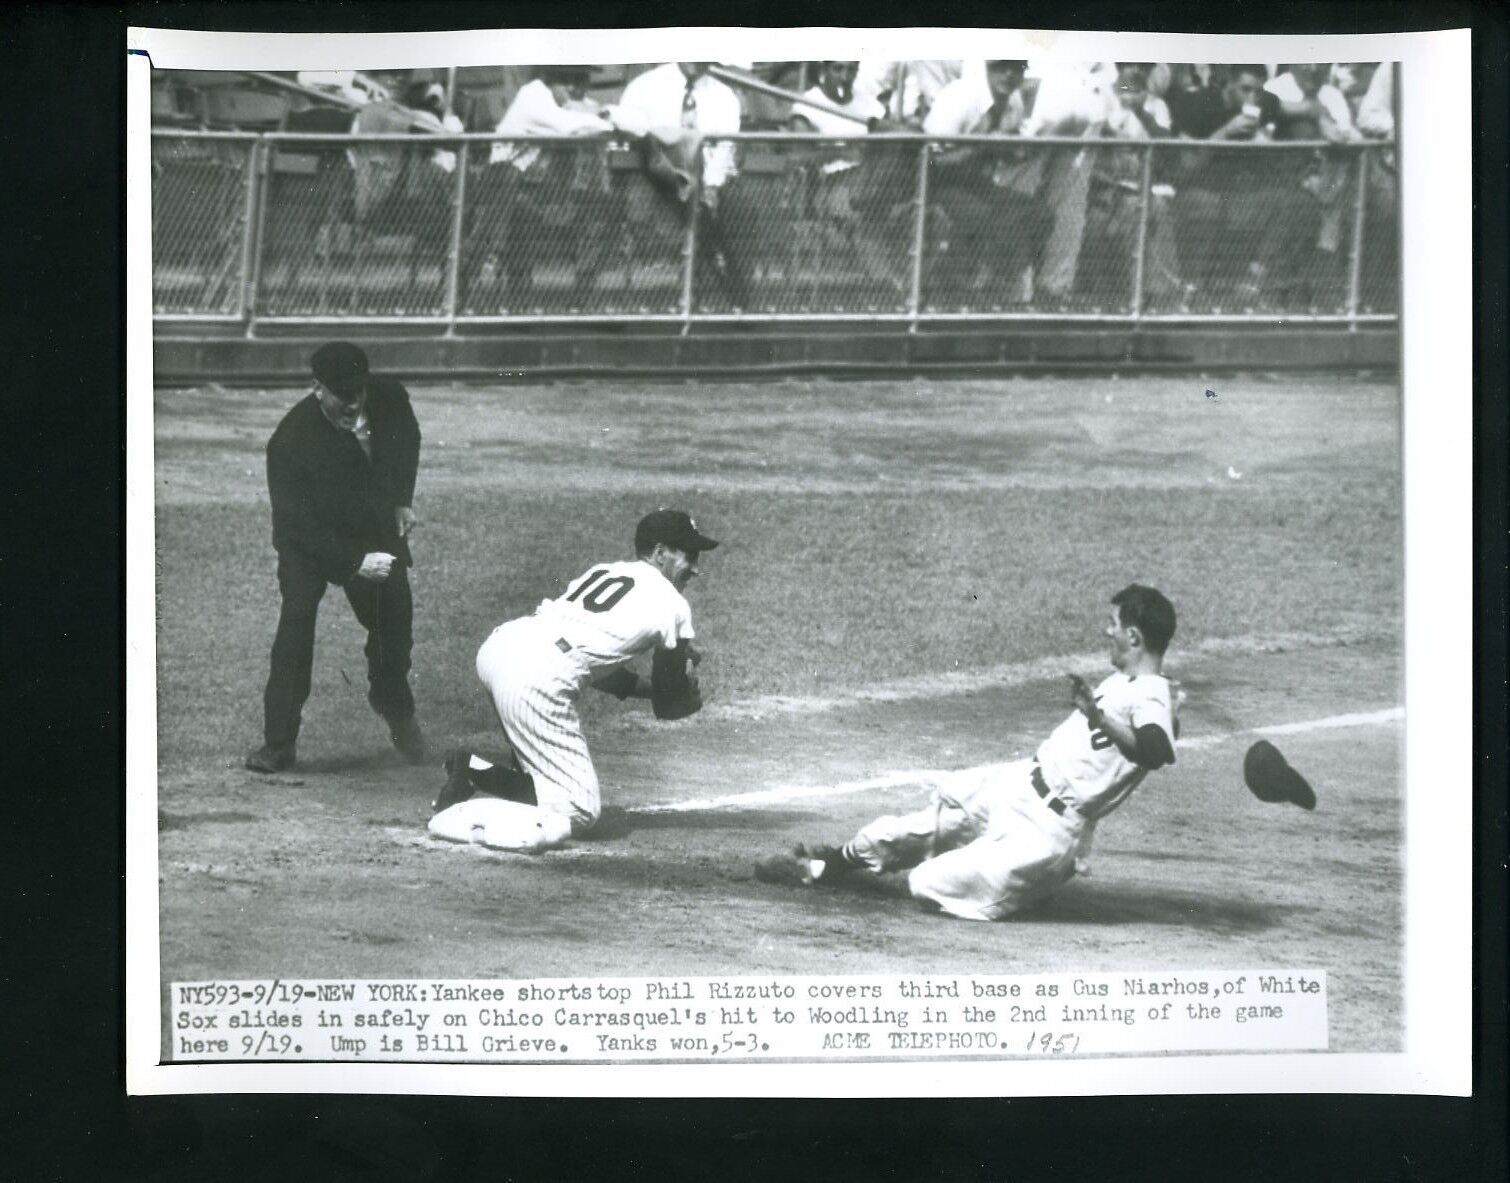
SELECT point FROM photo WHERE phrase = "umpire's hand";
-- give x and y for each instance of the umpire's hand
(404, 520)
(375, 566)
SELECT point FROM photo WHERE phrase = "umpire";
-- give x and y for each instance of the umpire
(340, 472)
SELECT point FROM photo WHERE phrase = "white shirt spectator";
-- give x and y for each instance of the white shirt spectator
(347, 83)
(963, 108)
(908, 85)
(444, 158)
(1073, 98)
(1333, 102)
(862, 107)
(655, 100)
(830, 124)
(535, 112)
(1376, 111)
(1125, 125)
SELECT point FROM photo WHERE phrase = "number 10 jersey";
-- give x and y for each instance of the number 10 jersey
(614, 613)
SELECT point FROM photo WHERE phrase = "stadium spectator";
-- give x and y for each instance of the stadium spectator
(1138, 113)
(836, 88)
(1310, 107)
(684, 96)
(532, 197)
(554, 103)
(1073, 99)
(1352, 79)
(674, 108)
(1115, 207)
(404, 191)
(998, 224)
(429, 98)
(1315, 109)
(1160, 75)
(1247, 230)
(907, 90)
(1195, 100)
(349, 84)
(847, 181)
(1380, 263)
(1376, 108)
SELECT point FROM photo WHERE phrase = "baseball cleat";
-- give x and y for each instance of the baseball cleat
(408, 739)
(458, 786)
(270, 758)
(801, 868)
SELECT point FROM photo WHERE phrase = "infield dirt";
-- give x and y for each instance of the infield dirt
(909, 569)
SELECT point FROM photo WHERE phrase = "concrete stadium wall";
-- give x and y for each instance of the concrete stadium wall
(183, 358)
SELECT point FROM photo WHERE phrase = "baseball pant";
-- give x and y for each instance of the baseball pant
(534, 690)
(385, 610)
(981, 851)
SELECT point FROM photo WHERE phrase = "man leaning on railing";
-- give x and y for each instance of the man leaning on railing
(674, 108)
(997, 224)
(852, 191)
(521, 206)
(1115, 209)
(1246, 228)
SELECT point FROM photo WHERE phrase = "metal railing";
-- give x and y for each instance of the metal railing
(474, 230)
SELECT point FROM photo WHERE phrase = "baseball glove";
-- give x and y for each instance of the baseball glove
(1270, 778)
(674, 693)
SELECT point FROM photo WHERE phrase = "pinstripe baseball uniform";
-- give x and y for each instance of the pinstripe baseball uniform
(535, 668)
(1008, 836)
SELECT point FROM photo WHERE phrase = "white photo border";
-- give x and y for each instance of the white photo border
(1437, 430)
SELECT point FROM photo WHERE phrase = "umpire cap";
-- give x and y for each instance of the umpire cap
(340, 365)
(672, 527)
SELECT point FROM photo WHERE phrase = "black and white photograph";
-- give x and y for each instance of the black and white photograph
(743, 576)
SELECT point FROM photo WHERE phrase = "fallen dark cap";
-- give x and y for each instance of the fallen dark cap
(1270, 778)
(674, 528)
(340, 365)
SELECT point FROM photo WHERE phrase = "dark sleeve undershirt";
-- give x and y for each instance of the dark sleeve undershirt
(1152, 748)
(620, 683)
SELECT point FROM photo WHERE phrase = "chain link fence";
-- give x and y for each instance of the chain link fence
(476, 230)
(201, 224)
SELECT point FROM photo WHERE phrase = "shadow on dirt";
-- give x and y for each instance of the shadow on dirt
(182, 821)
(616, 822)
(367, 761)
(1082, 904)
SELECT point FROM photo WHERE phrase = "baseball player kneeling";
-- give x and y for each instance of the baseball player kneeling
(1009, 836)
(534, 669)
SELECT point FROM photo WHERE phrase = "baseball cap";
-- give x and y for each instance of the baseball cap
(674, 528)
(340, 365)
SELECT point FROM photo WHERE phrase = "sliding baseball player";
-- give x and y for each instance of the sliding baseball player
(1009, 837)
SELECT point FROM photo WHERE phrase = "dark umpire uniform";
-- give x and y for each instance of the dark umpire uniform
(341, 468)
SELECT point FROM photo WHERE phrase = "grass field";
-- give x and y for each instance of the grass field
(909, 568)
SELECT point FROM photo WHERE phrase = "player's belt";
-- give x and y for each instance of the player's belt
(1041, 787)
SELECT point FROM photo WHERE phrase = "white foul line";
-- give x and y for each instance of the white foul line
(935, 776)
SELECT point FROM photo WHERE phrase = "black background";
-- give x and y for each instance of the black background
(63, 1111)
